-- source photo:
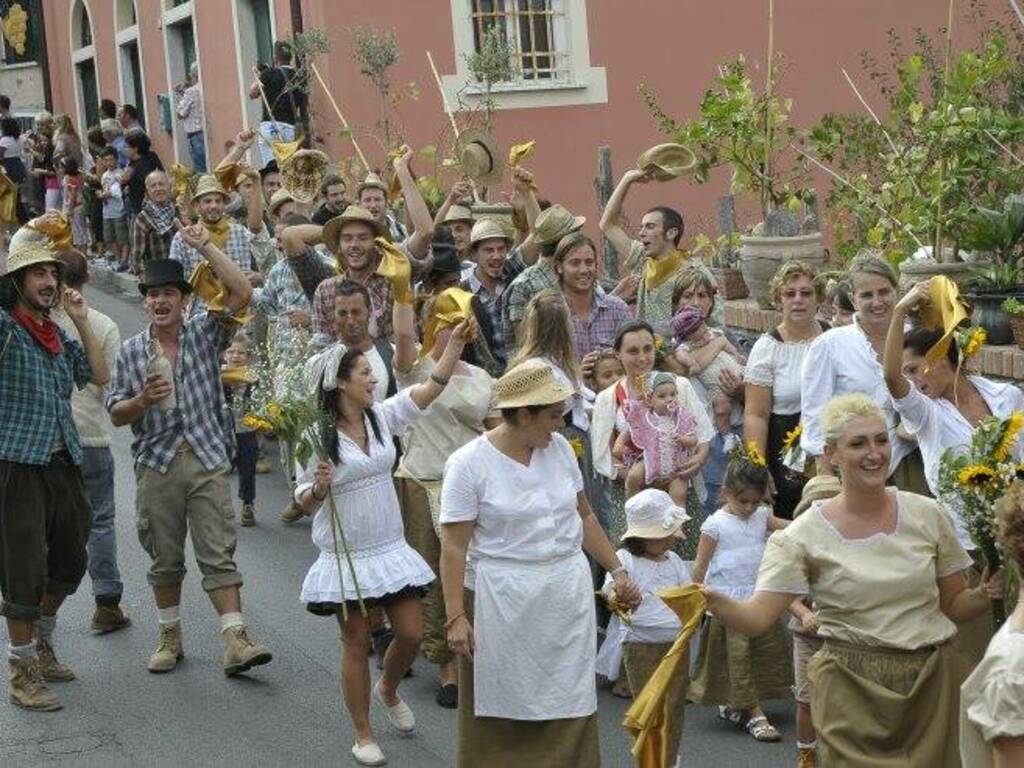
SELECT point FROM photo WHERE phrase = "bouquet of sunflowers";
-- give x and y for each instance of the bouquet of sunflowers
(973, 479)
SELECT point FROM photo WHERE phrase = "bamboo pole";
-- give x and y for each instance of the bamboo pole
(341, 117)
(1003, 147)
(768, 90)
(448, 111)
(937, 245)
(1016, 9)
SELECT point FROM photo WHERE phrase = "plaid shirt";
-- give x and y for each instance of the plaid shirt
(607, 314)
(147, 244)
(495, 303)
(283, 291)
(35, 407)
(238, 248)
(529, 283)
(201, 416)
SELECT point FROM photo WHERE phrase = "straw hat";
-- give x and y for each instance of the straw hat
(666, 161)
(278, 199)
(458, 213)
(818, 488)
(209, 184)
(532, 382)
(332, 229)
(38, 242)
(555, 223)
(488, 229)
(372, 181)
(651, 514)
(451, 307)
(303, 172)
(479, 157)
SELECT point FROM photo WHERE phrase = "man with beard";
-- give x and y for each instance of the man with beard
(457, 217)
(334, 204)
(372, 195)
(155, 226)
(495, 269)
(182, 446)
(44, 513)
(231, 239)
(654, 257)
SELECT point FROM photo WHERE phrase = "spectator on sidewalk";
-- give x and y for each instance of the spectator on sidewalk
(155, 226)
(115, 223)
(190, 112)
(283, 92)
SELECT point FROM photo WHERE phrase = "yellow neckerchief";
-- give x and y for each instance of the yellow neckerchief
(657, 271)
(219, 231)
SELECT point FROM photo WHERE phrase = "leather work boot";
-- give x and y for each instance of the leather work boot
(292, 513)
(241, 653)
(248, 517)
(109, 618)
(27, 688)
(169, 652)
(51, 669)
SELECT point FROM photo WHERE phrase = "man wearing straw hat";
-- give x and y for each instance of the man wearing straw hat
(457, 217)
(182, 445)
(372, 194)
(44, 513)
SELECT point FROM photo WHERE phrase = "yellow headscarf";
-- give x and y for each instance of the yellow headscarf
(647, 719)
(451, 307)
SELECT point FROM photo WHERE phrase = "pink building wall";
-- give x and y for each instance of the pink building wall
(671, 45)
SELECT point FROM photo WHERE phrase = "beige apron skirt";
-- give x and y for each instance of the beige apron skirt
(640, 660)
(496, 742)
(886, 707)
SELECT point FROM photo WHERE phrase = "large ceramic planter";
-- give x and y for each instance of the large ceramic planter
(987, 311)
(761, 257)
(960, 272)
(730, 283)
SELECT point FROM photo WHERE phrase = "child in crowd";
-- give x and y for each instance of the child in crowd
(659, 436)
(606, 371)
(734, 671)
(727, 438)
(238, 382)
(654, 524)
(115, 222)
(705, 352)
(73, 193)
(838, 306)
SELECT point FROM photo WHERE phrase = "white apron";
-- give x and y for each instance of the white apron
(534, 631)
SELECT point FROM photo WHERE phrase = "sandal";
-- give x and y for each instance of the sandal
(762, 730)
(621, 689)
(730, 715)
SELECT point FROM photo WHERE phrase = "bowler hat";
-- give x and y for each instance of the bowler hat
(163, 272)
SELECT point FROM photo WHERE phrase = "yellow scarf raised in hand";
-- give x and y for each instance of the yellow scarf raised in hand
(657, 271)
(219, 231)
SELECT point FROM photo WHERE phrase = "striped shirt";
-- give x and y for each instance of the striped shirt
(201, 417)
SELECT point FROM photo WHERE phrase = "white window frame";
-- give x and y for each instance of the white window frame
(183, 13)
(80, 55)
(121, 37)
(582, 83)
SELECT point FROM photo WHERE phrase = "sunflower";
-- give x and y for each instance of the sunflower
(975, 476)
(754, 455)
(973, 342)
(791, 437)
(577, 447)
(1011, 428)
(252, 421)
(274, 411)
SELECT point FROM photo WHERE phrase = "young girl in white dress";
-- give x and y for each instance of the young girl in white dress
(654, 523)
(390, 573)
(736, 672)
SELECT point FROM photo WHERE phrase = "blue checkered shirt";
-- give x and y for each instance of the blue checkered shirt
(35, 395)
(238, 248)
(201, 417)
(495, 304)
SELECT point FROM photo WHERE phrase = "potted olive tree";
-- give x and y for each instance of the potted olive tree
(748, 132)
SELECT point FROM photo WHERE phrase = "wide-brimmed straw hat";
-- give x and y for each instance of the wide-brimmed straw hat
(278, 199)
(209, 184)
(818, 488)
(532, 382)
(354, 213)
(555, 223)
(479, 157)
(665, 162)
(303, 173)
(651, 514)
(458, 213)
(38, 242)
(488, 229)
(372, 181)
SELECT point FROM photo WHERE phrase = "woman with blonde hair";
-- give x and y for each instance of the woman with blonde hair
(66, 142)
(887, 576)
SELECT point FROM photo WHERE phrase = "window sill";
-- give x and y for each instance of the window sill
(20, 65)
(587, 87)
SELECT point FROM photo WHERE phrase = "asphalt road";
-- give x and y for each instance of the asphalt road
(287, 713)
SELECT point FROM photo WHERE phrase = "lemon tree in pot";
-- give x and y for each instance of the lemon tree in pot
(748, 131)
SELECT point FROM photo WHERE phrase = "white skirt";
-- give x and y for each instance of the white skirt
(382, 570)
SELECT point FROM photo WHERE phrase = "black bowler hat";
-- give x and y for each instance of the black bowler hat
(162, 272)
(442, 248)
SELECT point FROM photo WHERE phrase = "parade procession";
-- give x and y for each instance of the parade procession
(517, 461)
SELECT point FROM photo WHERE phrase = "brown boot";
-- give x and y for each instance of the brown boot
(51, 669)
(169, 652)
(241, 653)
(806, 758)
(292, 513)
(27, 688)
(248, 518)
(109, 618)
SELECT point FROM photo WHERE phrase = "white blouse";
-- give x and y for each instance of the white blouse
(842, 361)
(524, 513)
(778, 365)
(653, 620)
(737, 557)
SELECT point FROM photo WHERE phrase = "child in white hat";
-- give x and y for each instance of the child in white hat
(654, 525)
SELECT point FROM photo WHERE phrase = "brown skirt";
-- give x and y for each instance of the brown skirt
(885, 707)
(739, 671)
(640, 660)
(497, 742)
(909, 475)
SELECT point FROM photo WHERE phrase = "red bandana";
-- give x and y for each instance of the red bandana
(46, 332)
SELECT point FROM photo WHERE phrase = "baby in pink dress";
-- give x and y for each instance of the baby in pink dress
(662, 436)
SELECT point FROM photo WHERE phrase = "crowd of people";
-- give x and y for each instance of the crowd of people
(507, 431)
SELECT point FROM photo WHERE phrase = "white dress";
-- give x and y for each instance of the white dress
(533, 600)
(370, 517)
(737, 558)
